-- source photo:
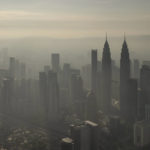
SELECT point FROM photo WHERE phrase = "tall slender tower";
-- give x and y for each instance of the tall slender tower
(106, 78)
(124, 77)
(55, 61)
(94, 69)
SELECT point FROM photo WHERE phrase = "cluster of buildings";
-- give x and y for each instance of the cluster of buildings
(98, 89)
(123, 92)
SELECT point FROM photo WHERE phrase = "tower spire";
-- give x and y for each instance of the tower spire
(124, 36)
(106, 36)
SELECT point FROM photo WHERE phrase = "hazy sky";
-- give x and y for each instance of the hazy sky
(73, 18)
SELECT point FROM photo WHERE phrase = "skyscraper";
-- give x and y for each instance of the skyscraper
(144, 100)
(49, 93)
(124, 77)
(12, 67)
(55, 60)
(94, 69)
(77, 94)
(132, 100)
(106, 78)
(136, 69)
(53, 94)
(85, 136)
(91, 107)
(67, 144)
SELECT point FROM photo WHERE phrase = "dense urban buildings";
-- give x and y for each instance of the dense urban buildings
(99, 106)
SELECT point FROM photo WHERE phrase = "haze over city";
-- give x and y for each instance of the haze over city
(74, 26)
(74, 75)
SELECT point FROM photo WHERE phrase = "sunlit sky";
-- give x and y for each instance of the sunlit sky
(73, 18)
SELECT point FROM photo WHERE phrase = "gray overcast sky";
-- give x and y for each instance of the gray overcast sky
(73, 18)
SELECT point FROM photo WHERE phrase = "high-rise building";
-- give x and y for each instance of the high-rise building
(76, 88)
(144, 99)
(12, 67)
(106, 78)
(124, 78)
(86, 76)
(49, 91)
(132, 100)
(55, 61)
(99, 89)
(43, 90)
(136, 68)
(66, 75)
(91, 107)
(145, 82)
(77, 95)
(7, 95)
(67, 144)
(94, 70)
(53, 94)
(85, 136)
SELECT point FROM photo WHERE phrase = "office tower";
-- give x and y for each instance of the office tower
(85, 136)
(145, 82)
(49, 91)
(144, 98)
(132, 100)
(99, 84)
(91, 107)
(94, 70)
(55, 61)
(99, 66)
(12, 67)
(76, 88)
(93, 129)
(86, 76)
(66, 75)
(67, 144)
(124, 77)
(75, 134)
(106, 78)
(136, 69)
(7, 95)
(77, 95)
(43, 91)
(53, 93)
(131, 69)
(99, 90)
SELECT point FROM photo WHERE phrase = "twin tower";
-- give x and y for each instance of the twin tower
(103, 88)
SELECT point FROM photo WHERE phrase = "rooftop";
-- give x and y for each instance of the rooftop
(67, 140)
(87, 122)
